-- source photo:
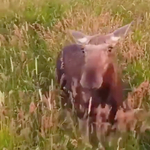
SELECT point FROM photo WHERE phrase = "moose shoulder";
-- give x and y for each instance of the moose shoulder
(87, 70)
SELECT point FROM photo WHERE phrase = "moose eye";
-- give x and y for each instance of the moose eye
(82, 49)
(110, 48)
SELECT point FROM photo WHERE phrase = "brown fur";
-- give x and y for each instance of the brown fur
(76, 62)
(91, 76)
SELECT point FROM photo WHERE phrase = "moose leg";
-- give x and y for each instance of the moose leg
(65, 99)
(93, 132)
(84, 128)
(112, 114)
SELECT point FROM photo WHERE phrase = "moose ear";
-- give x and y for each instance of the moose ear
(80, 37)
(121, 32)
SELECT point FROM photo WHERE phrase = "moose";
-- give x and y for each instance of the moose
(88, 75)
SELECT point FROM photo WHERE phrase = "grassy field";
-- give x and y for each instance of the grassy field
(31, 35)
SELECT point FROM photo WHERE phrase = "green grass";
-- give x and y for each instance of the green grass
(31, 35)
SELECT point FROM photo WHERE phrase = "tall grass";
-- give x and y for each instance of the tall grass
(31, 35)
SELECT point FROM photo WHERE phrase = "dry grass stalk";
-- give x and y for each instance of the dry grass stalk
(18, 36)
(131, 51)
(46, 124)
(49, 99)
(126, 120)
(135, 98)
(32, 107)
(20, 115)
(102, 125)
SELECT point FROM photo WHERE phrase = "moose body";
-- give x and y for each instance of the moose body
(87, 71)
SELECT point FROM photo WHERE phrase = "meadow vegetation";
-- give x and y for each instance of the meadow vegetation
(32, 33)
